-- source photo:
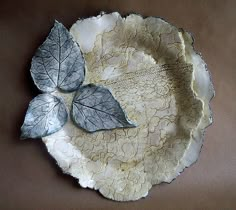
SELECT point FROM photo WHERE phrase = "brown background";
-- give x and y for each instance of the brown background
(29, 177)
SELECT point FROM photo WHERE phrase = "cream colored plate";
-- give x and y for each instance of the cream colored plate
(163, 85)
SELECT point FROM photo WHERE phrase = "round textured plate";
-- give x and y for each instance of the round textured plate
(162, 84)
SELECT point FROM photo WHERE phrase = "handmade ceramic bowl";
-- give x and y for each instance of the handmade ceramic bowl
(150, 66)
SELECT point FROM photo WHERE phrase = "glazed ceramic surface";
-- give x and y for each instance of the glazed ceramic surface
(162, 84)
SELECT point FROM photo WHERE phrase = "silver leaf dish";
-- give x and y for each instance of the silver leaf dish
(164, 86)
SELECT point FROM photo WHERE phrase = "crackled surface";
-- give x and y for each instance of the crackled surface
(161, 83)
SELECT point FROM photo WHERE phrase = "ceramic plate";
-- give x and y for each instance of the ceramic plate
(150, 66)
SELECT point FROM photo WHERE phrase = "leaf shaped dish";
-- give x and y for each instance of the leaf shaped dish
(58, 62)
(163, 84)
(94, 108)
(46, 115)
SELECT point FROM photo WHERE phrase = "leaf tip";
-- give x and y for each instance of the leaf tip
(132, 124)
(56, 22)
(23, 136)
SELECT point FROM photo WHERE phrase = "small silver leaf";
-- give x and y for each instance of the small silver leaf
(94, 108)
(58, 62)
(46, 114)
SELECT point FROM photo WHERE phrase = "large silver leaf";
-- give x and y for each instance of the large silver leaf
(46, 114)
(58, 62)
(94, 108)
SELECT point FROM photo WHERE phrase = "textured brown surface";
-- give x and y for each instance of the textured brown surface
(30, 179)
